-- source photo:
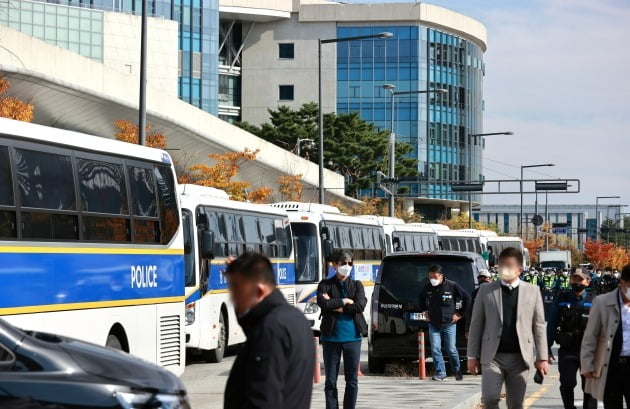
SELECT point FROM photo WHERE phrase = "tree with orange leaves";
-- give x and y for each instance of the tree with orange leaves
(533, 245)
(128, 132)
(12, 107)
(597, 252)
(225, 169)
(290, 188)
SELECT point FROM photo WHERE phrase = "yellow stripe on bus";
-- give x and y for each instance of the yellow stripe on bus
(88, 250)
(87, 305)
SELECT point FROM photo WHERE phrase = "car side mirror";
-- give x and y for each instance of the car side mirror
(328, 249)
(207, 245)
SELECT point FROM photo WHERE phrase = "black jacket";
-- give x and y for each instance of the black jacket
(274, 369)
(441, 302)
(332, 287)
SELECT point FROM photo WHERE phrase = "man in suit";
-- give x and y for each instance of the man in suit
(605, 354)
(507, 331)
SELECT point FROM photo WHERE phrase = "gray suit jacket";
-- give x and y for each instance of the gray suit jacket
(487, 323)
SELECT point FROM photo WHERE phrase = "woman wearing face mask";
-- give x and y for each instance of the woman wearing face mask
(342, 301)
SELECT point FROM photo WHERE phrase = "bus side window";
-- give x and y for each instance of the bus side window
(46, 183)
(7, 216)
(167, 200)
(358, 249)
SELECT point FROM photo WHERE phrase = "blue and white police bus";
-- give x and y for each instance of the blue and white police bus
(319, 230)
(409, 237)
(91, 242)
(216, 228)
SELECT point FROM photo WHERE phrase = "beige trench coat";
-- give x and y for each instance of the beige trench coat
(600, 332)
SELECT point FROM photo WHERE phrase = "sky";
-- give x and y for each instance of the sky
(558, 76)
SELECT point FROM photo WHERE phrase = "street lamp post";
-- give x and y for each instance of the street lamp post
(142, 103)
(470, 158)
(320, 123)
(520, 220)
(392, 136)
(597, 212)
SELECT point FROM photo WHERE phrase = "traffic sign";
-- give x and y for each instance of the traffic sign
(537, 220)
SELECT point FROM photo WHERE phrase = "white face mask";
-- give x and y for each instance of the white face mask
(434, 282)
(507, 274)
(565, 273)
(344, 270)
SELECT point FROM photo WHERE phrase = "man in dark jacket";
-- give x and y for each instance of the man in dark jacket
(439, 299)
(342, 301)
(274, 369)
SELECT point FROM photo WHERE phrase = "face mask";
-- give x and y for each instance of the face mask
(617, 275)
(434, 282)
(578, 288)
(598, 274)
(507, 274)
(344, 270)
(565, 273)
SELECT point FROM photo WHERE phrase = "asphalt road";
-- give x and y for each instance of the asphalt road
(205, 384)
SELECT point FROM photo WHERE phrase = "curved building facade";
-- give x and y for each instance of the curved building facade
(436, 125)
(430, 48)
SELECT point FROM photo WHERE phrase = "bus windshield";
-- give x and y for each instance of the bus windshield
(306, 252)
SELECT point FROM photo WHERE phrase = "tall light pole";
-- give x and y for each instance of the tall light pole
(597, 212)
(320, 122)
(392, 136)
(470, 177)
(520, 220)
(142, 103)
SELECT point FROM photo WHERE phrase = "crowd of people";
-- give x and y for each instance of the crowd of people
(513, 319)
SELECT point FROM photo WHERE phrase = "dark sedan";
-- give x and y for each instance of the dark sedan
(39, 370)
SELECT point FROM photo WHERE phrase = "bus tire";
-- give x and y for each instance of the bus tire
(113, 342)
(216, 355)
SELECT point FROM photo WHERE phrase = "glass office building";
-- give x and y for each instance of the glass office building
(436, 125)
(81, 31)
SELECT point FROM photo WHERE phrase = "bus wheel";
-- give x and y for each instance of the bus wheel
(216, 355)
(113, 342)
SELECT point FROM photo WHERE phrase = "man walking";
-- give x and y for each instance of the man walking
(605, 355)
(274, 369)
(439, 299)
(342, 301)
(507, 324)
(567, 322)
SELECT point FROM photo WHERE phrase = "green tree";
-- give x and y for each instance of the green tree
(353, 146)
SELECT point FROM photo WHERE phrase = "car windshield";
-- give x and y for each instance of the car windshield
(306, 252)
(403, 278)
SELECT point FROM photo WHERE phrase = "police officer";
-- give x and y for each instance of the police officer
(562, 281)
(547, 288)
(439, 298)
(566, 325)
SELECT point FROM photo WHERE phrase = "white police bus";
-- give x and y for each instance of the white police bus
(216, 228)
(90, 241)
(318, 231)
(401, 236)
(497, 244)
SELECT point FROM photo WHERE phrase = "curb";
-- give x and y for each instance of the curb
(471, 402)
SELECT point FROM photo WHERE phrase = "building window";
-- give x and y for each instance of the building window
(285, 92)
(286, 51)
